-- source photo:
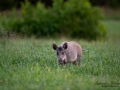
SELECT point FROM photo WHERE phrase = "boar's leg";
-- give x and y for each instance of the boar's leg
(74, 62)
(79, 58)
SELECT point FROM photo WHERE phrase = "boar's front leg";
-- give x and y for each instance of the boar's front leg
(65, 62)
(74, 62)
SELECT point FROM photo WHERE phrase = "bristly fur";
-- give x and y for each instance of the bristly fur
(60, 48)
(69, 52)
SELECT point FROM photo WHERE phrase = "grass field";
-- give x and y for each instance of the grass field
(30, 64)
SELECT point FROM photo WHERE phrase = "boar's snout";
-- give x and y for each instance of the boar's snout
(60, 61)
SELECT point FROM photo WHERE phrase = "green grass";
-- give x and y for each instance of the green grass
(30, 64)
(113, 30)
(110, 13)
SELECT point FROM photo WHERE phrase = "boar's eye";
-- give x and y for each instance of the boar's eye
(62, 53)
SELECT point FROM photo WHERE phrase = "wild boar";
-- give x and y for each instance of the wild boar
(68, 52)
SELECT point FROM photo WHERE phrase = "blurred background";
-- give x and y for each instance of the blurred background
(82, 19)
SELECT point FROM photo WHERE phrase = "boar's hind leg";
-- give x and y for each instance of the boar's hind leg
(79, 59)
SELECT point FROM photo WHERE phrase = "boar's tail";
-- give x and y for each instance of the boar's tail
(84, 50)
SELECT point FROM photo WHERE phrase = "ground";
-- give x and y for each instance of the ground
(30, 64)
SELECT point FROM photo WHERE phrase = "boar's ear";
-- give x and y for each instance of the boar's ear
(54, 46)
(65, 45)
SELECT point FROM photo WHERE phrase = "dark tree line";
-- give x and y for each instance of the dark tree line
(9, 4)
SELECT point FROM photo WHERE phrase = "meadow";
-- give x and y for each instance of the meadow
(30, 64)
